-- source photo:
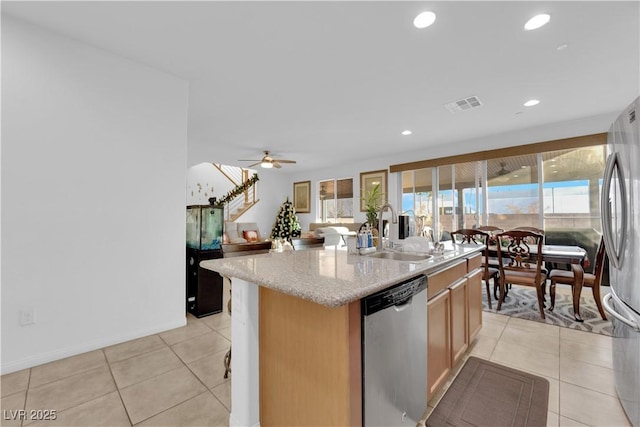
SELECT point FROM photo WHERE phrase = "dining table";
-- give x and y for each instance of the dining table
(574, 256)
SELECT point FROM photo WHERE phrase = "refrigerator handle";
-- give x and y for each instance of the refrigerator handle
(607, 307)
(614, 253)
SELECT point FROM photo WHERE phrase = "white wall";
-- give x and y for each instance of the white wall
(93, 196)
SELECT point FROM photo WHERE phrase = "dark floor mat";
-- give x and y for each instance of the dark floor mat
(487, 394)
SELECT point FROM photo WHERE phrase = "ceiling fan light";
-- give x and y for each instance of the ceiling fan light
(537, 22)
(266, 165)
(424, 19)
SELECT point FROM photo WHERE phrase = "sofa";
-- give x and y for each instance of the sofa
(242, 232)
(333, 233)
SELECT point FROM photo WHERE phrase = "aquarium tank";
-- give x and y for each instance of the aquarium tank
(204, 227)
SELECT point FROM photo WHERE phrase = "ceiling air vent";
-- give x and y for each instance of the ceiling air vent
(463, 104)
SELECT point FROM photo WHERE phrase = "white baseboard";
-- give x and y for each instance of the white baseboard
(234, 422)
(39, 359)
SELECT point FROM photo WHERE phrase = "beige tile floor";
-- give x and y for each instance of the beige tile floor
(176, 377)
(577, 365)
(169, 379)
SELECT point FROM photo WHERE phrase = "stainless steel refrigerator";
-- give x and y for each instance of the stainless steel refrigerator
(621, 230)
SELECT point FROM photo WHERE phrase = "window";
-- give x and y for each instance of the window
(417, 198)
(336, 200)
(558, 191)
(572, 183)
(447, 202)
(513, 192)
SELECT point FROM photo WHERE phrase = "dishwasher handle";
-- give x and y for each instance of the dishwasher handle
(398, 296)
(402, 305)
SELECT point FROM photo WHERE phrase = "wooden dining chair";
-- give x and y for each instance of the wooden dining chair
(545, 271)
(517, 265)
(466, 235)
(591, 280)
(533, 229)
(491, 229)
(492, 260)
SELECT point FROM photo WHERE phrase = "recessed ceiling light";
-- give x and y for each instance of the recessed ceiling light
(537, 21)
(562, 46)
(406, 132)
(531, 103)
(424, 19)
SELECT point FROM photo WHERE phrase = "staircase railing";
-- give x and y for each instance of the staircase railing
(237, 204)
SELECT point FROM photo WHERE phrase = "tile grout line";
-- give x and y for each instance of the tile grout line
(26, 395)
(201, 382)
(118, 389)
(174, 406)
(189, 368)
(79, 404)
(137, 354)
(207, 390)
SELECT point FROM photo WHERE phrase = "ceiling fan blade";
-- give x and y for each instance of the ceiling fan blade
(255, 164)
(284, 161)
(276, 164)
(247, 160)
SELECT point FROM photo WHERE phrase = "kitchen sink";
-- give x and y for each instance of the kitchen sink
(400, 256)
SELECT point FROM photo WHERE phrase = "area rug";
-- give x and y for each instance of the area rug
(487, 394)
(522, 302)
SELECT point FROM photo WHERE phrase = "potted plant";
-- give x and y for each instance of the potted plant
(372, 202)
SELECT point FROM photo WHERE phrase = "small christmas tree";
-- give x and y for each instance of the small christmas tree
(286, 225)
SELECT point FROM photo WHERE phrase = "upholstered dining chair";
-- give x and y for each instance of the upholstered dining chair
(465, 235)
(591, 280)
(518, 265)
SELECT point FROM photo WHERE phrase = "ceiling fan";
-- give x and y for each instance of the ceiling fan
(268, 162)
(503, 170)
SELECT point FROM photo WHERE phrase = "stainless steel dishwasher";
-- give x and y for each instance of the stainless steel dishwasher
(394, 354)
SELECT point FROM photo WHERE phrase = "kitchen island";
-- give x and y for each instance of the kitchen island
(296, 328)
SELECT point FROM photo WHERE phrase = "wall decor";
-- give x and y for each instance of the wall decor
(368, 181)
(302, 196)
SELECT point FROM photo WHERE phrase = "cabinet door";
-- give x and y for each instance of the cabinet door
(459, 320)
(475, 303)
(439, 341)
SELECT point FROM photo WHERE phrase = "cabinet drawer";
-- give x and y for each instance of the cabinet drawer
(441, 280)
(474, 262)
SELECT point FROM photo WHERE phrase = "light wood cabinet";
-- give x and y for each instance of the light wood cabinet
(310, 355)
(475, 303)
(454, 312)
(310, 362)
(459, 293)
(439, 341)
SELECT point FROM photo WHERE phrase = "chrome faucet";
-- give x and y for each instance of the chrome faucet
(394, 220)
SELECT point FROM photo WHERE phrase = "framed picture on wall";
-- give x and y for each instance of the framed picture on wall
(302, 196)
(368, 181)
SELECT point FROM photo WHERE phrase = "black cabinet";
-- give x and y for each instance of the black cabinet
(204, 287)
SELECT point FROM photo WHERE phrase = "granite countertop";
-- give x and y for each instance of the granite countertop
(330, 277)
